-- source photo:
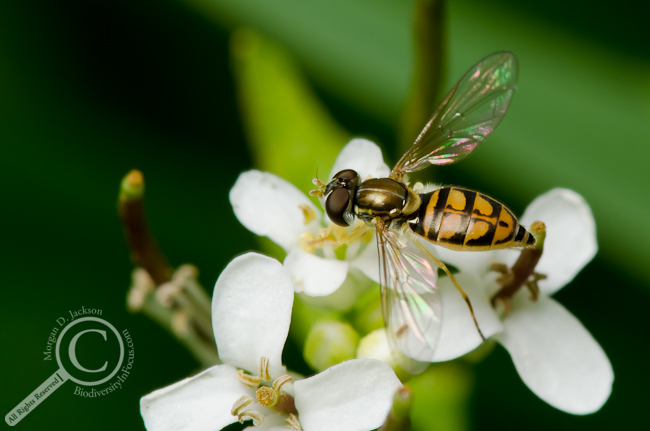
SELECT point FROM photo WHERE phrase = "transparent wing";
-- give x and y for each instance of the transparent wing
(411, 303)
(466, 116)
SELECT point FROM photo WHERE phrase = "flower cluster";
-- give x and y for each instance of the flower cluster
(553, 353)
(251, 312)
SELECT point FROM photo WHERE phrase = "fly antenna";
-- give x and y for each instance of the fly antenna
(318, 183)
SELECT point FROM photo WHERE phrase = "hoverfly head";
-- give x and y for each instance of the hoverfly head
(339, 197)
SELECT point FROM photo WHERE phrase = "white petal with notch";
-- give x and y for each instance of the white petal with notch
(251, 312)
(570, 236)
(458, 334)
(363, 156)
(198, 403)
(315, 275)
(556, 356)
(355, 395)
(269, 206)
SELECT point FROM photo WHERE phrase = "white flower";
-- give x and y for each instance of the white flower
(270, 206)
(556, 357)
(251, 312)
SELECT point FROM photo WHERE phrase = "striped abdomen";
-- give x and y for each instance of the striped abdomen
(462, 219)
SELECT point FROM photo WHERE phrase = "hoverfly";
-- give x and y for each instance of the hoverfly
(452, 217)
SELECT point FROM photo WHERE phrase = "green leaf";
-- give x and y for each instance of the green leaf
(290, 132)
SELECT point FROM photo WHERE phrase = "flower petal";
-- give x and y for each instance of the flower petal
(458, 334)
(355, 395)
(368, 261)
(364, 157)
(272, 421)
(198, 403)
(345, 297)
(269, 206)
(476, 262)
(556, 356)
(315, 275)
(251, 312)
(570, 236)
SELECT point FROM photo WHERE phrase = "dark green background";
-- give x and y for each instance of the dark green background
(90, 90)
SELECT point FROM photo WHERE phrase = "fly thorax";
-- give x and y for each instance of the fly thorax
(381, 197)
(413, 202)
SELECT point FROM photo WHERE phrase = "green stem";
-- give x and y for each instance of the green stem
(428, 69)
(144, 250)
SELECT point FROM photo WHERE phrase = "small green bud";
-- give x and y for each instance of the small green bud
(330, 342)
(132, 186)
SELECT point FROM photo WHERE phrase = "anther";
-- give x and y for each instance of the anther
(239, 409)
(323, 233)
(281, 381)
(267, 396)
(293, 422)
(141, 287)
(239, 406)
(167, 293)
(306, 240)
(257, 417)
(264, 369)
(308, 212)
(251, 381)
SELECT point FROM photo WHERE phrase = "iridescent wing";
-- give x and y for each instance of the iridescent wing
(411, 304)
(466, 116)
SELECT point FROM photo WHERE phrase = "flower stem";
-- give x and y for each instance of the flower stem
(144, 250)
(173, 299)
(428, 69)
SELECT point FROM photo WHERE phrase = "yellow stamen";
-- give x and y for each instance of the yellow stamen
(257, 417)
(281, 381)
(239, 406)
(264, 369)
(308, 212)
(293, 422)
(251, 381)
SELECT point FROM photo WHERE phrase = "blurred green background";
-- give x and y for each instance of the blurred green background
(90, 90)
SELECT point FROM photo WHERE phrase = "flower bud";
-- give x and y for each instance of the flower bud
(375, 346)
(330, 342)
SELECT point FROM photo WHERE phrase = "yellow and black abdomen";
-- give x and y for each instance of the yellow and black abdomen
(462, 219)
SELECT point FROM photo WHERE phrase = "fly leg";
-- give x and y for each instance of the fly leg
(442, 266)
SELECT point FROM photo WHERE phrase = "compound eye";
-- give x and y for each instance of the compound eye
(336, 205)
(346, 174)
